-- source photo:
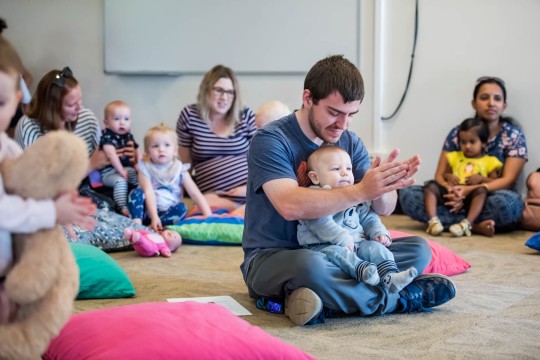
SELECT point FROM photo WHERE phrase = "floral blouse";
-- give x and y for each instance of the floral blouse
(509, 142)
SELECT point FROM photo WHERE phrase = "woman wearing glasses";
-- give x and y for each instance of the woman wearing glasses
(214, 136)
(503, 207)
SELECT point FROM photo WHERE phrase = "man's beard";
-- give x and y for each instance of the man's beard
(317, 130)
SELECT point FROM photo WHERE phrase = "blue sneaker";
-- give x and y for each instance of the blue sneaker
(425, 292)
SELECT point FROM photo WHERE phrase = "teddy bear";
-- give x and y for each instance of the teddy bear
(147, 243)
(44, 280)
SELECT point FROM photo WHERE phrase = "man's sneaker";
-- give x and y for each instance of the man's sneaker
(425, 292)
(302, 305)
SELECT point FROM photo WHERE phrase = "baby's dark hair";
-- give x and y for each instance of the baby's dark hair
(482, 129)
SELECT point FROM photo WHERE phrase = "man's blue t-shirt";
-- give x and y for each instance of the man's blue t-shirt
(276, 152)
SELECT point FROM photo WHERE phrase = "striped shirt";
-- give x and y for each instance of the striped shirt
(29, 130)
(219, 163)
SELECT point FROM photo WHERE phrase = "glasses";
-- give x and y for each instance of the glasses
(59, 79)
(220, 91)
(484, 79)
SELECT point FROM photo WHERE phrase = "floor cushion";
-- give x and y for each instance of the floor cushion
(162, 330)
(100, 275)
(217, 229)
(443, 261)
(534, 241)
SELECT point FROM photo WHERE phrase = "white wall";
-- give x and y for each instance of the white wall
(459, 40)
(55, 33)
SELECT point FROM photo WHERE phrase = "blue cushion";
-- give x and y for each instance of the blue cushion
(534, 242)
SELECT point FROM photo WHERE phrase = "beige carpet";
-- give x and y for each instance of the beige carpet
(496, 314)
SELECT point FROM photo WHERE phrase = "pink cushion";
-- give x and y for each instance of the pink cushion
(443, 261)
(161, 330)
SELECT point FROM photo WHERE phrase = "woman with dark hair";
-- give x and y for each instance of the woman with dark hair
(214, 136)
(503, 207)
(57, 104)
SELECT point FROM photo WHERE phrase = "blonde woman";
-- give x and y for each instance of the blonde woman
(214, 136)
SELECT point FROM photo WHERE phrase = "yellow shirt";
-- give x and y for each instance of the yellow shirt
(463, 167)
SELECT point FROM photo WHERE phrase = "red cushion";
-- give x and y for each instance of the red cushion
(443, 261)
(161, 330)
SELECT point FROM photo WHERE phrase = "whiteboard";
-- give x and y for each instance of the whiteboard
(251, 36)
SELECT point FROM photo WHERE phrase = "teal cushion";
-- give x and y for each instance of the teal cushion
(223, 229)
(100, 275)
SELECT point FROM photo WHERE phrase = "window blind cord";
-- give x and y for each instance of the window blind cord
(410, 68)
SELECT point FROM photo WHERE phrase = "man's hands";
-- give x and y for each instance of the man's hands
(413, 162)
(388, 175)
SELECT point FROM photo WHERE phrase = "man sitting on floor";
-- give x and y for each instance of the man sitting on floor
(275, 265)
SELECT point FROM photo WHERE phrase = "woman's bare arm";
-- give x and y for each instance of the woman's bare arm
(185, 154)
(97, 161)
(510, 174)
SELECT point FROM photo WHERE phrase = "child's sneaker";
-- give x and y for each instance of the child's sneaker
(461, 228)
(435, 227)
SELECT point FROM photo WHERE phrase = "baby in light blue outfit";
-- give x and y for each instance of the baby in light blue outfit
(354, 239)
